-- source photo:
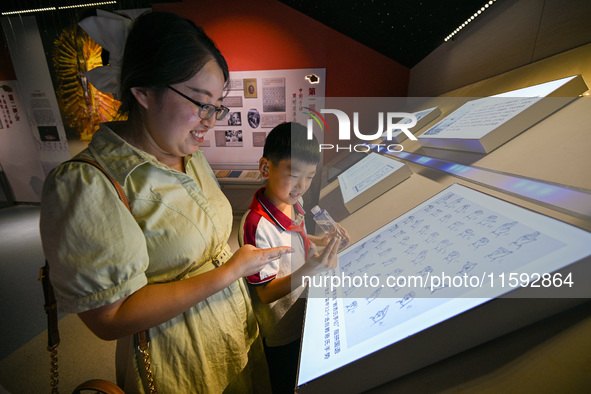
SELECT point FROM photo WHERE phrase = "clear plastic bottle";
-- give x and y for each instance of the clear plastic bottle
(328, 224)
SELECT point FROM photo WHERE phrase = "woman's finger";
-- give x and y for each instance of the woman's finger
(274, 253)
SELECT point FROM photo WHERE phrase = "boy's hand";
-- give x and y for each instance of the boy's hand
(323, 241)
(319, 263)
(248, 260)
(346, 238)
(313, 251)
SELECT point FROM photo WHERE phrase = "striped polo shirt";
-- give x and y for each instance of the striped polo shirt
(265, 226)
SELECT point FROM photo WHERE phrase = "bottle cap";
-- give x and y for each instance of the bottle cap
(315, 210)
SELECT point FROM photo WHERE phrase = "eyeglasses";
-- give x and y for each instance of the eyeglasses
(206, 111)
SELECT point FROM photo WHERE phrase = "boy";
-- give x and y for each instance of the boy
(276, 217)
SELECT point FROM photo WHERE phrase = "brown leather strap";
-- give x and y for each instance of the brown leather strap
(142, 339)
(53, 336)
(98, 385)
(116, 184)
(53, 333)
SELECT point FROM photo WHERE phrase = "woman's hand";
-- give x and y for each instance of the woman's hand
(249, 260)
(156, 303)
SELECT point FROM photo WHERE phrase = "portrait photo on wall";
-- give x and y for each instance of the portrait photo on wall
(250, 88)
(234, 119)
(254, 118)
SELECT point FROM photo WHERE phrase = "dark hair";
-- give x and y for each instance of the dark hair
(290, 140)
(163, 49)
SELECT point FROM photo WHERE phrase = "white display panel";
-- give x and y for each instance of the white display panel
(484, 124)
(369, 178)
(485, 242)
(423, 118)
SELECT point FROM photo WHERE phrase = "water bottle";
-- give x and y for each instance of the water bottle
(328, 225)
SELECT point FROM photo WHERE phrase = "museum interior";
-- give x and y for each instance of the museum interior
(485, 176)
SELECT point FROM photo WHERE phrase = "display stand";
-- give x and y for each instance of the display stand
(483, 125)
(464, 234)
(424, 117)
(370, 178)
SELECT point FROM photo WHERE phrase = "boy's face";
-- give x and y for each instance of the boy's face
(287, 181)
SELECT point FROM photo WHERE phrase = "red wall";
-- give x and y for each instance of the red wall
(268, 35)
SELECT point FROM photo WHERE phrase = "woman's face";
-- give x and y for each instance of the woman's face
(172, 126)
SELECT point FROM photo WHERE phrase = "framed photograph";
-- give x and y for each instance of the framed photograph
(250, 88)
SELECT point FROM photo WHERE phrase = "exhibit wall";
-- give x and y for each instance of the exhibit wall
(269, 35)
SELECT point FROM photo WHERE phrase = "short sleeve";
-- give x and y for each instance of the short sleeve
(252, 231)
(96, 250)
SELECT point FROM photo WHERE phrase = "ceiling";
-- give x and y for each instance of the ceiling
(403, 30)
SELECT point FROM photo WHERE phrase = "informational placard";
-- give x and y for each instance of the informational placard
(259, 101)
(370, 178)
(484, 124)
(456, 251)
(18, 153)
(37, 96)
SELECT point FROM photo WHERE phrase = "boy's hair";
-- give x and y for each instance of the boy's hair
(290, 140)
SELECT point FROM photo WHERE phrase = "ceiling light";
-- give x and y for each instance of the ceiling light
(87, 5)
(470, 19)
(28, 11)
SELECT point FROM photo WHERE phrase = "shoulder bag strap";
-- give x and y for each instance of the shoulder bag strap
(142, 339)
(116, 184)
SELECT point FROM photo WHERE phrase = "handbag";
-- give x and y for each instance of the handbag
(141, 339)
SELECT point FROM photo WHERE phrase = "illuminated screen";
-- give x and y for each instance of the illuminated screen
(450, 254)
(482, 125)
(540, 90)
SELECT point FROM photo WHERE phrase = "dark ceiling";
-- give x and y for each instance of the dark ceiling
(403, 30)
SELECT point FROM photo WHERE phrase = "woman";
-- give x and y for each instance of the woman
(166, 267)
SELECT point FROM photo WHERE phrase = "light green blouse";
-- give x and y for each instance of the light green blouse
(99, 252)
